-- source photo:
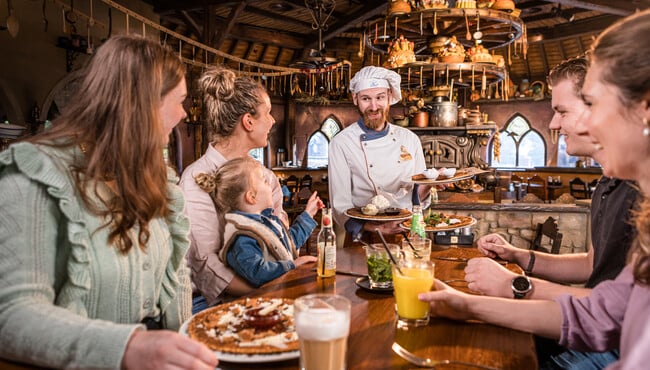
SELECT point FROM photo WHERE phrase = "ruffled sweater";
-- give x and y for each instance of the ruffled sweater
(67, 298)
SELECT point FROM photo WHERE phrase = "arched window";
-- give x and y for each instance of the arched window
(563, 158)
(259, 154)
(521, 146)
(318, 144)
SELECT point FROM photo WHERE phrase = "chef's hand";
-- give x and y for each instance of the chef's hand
(386, 228)
(165, 349)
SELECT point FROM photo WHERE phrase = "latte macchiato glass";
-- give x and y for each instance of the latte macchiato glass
(323, 323)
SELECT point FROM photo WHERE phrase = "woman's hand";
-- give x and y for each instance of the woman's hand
(447, 302)
(165, 349)
(314, 204)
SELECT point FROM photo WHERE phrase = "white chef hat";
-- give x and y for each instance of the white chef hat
(370, 77)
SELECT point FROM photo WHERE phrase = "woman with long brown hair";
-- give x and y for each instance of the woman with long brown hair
(92, 235)
(615, 314)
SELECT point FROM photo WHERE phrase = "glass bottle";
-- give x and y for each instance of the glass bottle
(326, 242)
(417, 230)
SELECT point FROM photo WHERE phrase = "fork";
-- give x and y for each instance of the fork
(427, 362)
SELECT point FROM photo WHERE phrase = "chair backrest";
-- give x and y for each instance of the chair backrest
(549, 229)
(306, 181)
(537, 186)
(578, 189)
(516, 178)
(303, 195)
(292, 183)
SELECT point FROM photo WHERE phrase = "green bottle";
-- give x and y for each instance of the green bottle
(417, 223)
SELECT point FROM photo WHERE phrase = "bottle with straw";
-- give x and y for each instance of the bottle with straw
(326, 242)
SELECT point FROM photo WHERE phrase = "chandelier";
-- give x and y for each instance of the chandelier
(320, 11)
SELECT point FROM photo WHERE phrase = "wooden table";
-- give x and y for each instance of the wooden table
(373, 330)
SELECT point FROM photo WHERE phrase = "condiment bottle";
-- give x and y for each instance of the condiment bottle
(326, 243)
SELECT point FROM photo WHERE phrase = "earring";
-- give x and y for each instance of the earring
(646, 130)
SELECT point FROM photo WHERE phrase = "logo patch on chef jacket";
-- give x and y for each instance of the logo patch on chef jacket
(404, 154)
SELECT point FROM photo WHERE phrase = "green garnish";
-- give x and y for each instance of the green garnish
(379, 269)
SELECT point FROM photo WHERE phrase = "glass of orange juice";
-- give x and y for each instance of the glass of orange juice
(416, 277)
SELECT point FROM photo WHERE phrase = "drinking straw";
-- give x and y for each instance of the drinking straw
(390, 255)
(415, 253)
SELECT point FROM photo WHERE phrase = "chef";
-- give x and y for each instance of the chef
(374, 157)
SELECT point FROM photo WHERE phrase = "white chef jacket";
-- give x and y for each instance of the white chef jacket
(364, 163)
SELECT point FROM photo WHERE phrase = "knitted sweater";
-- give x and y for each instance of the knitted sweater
(67, 298)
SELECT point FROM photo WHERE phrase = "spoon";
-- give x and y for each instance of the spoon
(427, 362)
(468, 35)
(435, 23)
(478, 34)
(390, 255)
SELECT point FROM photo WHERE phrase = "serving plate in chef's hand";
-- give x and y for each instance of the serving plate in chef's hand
(402, 214)
(463, 174)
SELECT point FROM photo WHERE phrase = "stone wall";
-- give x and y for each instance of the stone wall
(517, 222)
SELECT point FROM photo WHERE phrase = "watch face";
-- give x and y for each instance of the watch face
(521, 284)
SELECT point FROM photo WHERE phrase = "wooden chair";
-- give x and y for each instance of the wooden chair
(537, 186)
(306, 182)
(578, 188)
(550, 230)
(291, 183)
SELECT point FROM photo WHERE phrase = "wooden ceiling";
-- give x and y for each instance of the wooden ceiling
(283, 32)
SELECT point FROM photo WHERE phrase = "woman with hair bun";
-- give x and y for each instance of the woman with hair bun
(238, 116)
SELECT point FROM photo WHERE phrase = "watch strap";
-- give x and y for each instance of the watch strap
(531, 263)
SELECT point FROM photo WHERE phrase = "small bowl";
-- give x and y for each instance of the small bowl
(254, 320)
(392, 211)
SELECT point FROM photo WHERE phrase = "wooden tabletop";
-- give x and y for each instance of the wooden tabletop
(373, 330)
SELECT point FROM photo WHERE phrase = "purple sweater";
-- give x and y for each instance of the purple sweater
(615, 315)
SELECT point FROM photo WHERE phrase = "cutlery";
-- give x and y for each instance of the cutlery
(427, 362)
(460, 259)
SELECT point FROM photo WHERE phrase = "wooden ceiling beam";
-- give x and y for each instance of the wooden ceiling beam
(271, 15)
(221, 35)
(371, 9)
(591, 25)
(261, 35)
(621, 8)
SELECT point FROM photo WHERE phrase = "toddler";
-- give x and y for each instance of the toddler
(257, 245)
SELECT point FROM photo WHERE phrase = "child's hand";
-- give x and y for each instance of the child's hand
(303, 260)
(314, 204)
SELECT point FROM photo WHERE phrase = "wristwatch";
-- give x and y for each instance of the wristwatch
(521, 285)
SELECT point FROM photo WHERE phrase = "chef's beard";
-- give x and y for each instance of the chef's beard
(374, 124)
